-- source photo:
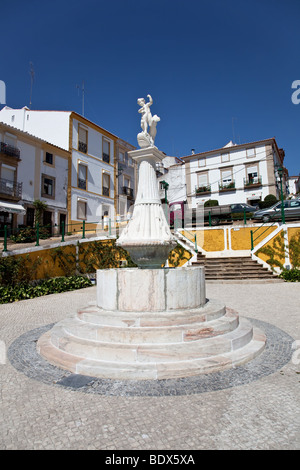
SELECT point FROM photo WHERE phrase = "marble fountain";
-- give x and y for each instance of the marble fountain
(150, 322)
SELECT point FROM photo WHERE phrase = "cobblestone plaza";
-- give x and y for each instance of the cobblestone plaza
(255, 406)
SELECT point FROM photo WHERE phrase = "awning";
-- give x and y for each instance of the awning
(12, 208)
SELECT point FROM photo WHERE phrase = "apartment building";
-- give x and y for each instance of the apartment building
(31, 169)
(172, 180)
(244, 173)
(92, 150)
(126, 178)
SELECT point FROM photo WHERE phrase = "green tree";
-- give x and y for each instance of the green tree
(40, 207)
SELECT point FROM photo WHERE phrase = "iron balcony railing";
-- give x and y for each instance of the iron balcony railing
(81, 183)
(82, 147)
(227, 186)
(105, 157)
(10, 188)
(256, 181)
(203, 189)
(128, 191)
(9, 150)
(105, 191)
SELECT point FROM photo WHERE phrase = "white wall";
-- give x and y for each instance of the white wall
(60, 173)
(175, 177)
(52, 126)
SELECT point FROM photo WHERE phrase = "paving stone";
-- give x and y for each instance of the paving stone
(255, 406)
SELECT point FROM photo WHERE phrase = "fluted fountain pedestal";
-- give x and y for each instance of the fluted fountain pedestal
(147, 237)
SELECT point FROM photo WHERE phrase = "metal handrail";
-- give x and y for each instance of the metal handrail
(194, 236)
(253, 232)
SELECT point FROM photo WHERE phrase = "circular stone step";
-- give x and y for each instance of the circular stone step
(152, 346)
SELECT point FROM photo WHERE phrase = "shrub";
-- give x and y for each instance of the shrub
(291, 275)
(268, 201)
(28, 234)
(25, 291)
(295, 250)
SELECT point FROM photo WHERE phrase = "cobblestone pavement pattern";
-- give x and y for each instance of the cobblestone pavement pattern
(262, 414)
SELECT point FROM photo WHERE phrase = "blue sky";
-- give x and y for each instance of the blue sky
(217, 70)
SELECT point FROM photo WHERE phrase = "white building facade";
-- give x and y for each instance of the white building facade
(244, 173)
(172, 172)
(31, 169)
(126, 179)
(91, 176)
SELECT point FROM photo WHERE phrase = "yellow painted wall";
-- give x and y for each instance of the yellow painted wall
(241, 239)
(209, 240)
(292, 231)
(44, 264)
(67, 259)
(214, 239)
(276, 245)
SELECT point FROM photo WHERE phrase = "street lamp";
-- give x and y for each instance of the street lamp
(280, 173)
(165, 186)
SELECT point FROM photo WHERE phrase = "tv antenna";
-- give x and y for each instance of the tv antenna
(82, 89)
(233, 133)
(31, 81)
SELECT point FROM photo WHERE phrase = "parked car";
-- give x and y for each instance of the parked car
(291, 211)
(241, 207)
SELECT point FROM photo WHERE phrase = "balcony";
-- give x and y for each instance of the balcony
(9, 150)
(82, 147)
(10, 188)
(128, 191)
(105, 157)
(81, 183)
(252, 182)
(223, 187)
(202, 190)
(105, 191)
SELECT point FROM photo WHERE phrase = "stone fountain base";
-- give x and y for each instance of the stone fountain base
(151, 324)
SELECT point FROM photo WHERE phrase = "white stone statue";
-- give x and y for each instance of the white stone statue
(145, 138)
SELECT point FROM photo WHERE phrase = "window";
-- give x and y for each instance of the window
(105, 184)
(295, 203)
(226, 177)
(127, 181)
(250, 153)
(82, 176)
(252, 174)
(121, 157)
(11, 140)
(48, 186)
(82, 139)
(49, 158)
(202, 162)
(105, 150)
(202, 179)
(8, 173)
(81, 209)
(7, 181)
(130, 161)
(225, 157)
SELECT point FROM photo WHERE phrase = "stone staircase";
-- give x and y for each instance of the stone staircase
(234, 268)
